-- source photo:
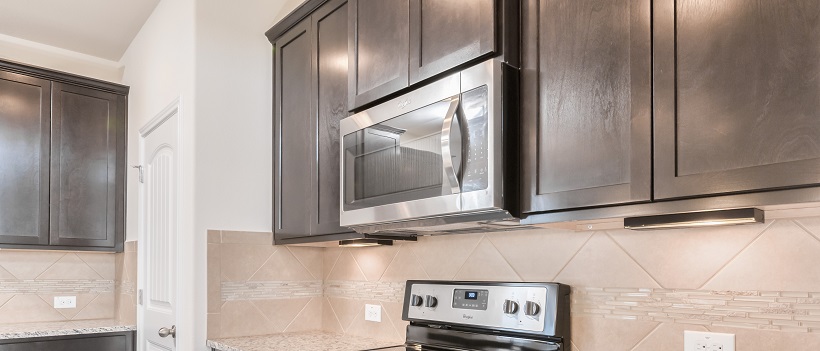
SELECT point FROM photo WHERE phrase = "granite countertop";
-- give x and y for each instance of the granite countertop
(34, 330)
(300, 341)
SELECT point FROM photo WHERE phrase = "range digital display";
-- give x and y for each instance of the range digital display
(471, 299)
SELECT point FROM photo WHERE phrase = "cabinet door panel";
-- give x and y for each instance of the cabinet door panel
(448, 33)
(586, 103)
(379, 42)
(25, 109)
(87, 129)
(292, 134)
(329, 28)
(738, 96)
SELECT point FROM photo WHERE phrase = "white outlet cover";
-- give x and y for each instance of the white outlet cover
(373, 313)
(703, 341)
(65, 302)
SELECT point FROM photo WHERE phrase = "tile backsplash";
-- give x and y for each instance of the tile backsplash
(29, 281)
(255, 288)
(126, 284)
(631, 290)
(103, 283)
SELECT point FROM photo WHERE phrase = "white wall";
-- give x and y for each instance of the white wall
(214, 55)
(234, 88)
(46, 56)
(159, 67)
(233, 130)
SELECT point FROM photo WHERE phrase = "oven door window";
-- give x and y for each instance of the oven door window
(401, 159)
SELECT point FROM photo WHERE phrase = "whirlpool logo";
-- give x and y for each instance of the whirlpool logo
(466, 316)
(404, 103)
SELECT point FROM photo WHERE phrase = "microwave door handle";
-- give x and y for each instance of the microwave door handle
(446, 156)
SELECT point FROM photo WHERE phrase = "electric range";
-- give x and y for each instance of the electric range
(486, 316)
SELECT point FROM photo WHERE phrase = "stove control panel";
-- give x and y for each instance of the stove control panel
(471, 299)
(524, 307)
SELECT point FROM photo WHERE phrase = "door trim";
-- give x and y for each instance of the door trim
(184, 252)
(168, 112)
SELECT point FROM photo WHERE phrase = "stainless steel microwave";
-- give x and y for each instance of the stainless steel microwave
(434, 158)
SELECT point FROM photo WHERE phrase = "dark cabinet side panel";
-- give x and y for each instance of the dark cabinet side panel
(25, 108)
(292, 134)
(87, 126)
(738, 103)
(447, 33)
(329, 28)
(586, 103)
(379, 42)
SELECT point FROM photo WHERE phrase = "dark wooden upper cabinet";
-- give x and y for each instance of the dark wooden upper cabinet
(25, 114)
(737, 96)
(379, 41)
(447, 33)
(87, 166)
(585, 103)
(293, 139)
(62, 160)
(329, 43)
(310, 100)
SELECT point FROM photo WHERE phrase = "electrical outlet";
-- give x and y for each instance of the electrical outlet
(702, 341)
(65, 302)
(373, 313)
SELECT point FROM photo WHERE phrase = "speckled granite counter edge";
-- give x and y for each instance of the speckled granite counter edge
(69, 331)
(300, 341)
(221, 347)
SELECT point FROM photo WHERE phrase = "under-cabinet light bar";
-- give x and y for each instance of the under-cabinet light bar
(365, 242)
(695, 219)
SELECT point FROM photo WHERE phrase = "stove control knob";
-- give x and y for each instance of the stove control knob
(532, 309)
(416, 300)
(510, 307)
(430, 301)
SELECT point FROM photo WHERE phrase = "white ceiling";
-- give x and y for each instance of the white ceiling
(101, 28)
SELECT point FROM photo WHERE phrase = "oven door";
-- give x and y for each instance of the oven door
(425, 154)
(423, 338)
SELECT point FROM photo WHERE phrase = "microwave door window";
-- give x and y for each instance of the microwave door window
(397, 160)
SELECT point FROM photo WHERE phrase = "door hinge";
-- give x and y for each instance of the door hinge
(140, 169)
(139, 297)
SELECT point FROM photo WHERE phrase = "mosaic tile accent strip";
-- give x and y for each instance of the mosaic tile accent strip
(270, 290)
(55, 286)
(126, 287)
(359, 290)
(768, 310)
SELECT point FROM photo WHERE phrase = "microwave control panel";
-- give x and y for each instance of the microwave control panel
(474, 109)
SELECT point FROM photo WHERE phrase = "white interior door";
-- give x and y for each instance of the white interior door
(159, 208)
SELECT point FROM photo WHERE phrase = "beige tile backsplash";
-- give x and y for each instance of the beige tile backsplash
(255, 288)
(631, 290)
(29, 281)
(126, 284)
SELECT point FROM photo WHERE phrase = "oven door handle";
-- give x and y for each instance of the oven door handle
(446, 155)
